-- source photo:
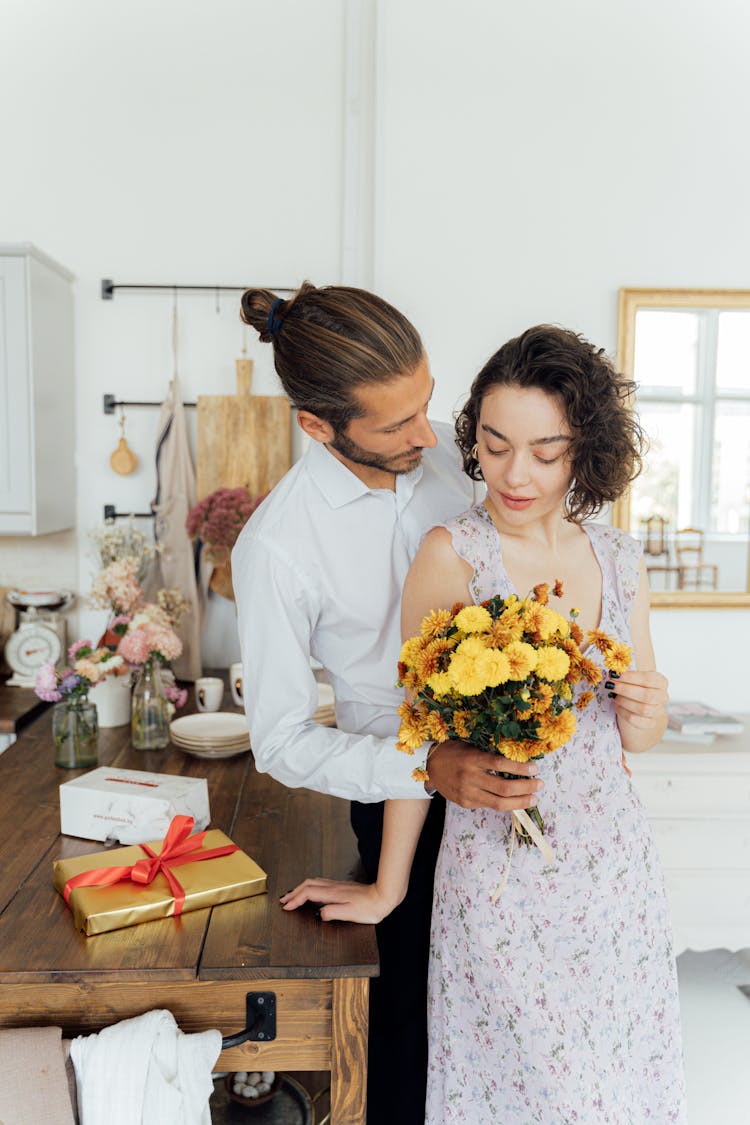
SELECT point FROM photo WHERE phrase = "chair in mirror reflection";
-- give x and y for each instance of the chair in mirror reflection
(662, 573)
(693, 572)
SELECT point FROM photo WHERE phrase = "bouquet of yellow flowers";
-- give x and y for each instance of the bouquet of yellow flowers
(501, 676)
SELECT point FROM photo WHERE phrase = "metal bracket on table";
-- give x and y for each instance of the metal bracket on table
(260, 1021)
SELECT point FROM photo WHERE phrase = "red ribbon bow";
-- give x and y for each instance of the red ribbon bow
(179, 847)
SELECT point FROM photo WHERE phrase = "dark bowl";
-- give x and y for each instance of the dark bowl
(250, 1103)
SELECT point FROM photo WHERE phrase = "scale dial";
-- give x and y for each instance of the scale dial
(31, 646)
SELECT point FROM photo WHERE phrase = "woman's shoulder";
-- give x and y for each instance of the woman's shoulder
(470, 519)
(619, 541)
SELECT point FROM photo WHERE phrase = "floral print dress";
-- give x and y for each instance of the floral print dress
(558, 1003)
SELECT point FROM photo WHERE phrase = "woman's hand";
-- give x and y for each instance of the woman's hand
(640, 701)
(341, 901)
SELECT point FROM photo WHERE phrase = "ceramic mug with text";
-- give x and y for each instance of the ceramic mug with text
(235, 683)
(209, 692)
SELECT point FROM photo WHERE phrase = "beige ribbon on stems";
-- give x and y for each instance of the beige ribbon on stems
(520, 819)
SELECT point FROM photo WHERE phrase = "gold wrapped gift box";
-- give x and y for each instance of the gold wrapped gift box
(209, 882)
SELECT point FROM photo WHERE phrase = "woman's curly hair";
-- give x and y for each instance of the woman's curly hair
(608, 443)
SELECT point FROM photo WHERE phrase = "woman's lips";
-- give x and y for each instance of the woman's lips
(516, 502)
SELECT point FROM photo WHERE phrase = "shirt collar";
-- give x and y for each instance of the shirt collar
(340, 486)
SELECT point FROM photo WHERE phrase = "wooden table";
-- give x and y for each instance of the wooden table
(18, 707)
(202, 965)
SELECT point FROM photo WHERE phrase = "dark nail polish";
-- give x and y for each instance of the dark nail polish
(609, 684)
(614, 675)
(611, 695)
(318, 916)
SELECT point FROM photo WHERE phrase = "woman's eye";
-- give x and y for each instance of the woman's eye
(496, 452)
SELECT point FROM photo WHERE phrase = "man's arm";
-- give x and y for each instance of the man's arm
(277, 610)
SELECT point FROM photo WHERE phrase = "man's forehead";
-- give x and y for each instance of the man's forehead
(395, 400)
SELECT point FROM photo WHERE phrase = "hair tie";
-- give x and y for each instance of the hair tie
(274, 322)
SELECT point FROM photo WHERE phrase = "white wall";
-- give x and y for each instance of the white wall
(530, 160)
(533, 159)
(175, 141)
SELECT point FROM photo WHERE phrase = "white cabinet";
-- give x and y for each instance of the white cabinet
(698, 803)
(37, 392)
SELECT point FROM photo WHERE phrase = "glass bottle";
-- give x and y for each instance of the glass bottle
(75, 733)
(149, 710)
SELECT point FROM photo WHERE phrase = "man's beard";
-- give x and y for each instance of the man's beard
(353, 452)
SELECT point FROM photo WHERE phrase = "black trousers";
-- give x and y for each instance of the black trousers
(397, 1054)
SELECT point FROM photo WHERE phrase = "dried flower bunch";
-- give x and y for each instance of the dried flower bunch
(500, 676)
(219, 518)
(116, 541)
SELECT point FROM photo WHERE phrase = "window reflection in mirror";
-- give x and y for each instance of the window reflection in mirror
(689, 353)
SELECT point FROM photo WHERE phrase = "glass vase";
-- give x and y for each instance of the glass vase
(149, 725)
(75, 733)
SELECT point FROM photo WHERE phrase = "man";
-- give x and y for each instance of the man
(318, 573)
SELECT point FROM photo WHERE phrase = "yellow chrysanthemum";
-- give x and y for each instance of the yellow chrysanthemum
(552, 663)
(562, 625)
(584, 699)
(555, 730)
(413, 730)
(494, 666)
(601, 641)
(437, 728)
(521, 659)
(467, 675)
(473, 647)
(461, 724)
(435, 623)
(441, 684)
(533, 616)
(410, 649)
(473, 619)
(591, 671)
(518, 750)
(543, 696)
(427, 662)
(420, 775)
(619, 658)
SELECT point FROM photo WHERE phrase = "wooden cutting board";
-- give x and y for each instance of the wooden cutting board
(243, 439)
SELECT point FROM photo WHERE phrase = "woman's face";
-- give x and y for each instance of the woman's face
(523, 441)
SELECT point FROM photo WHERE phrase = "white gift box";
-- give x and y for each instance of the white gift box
(130, 806)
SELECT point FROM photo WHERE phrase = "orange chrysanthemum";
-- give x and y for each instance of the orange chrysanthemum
(437, 728)
(584, 699)
(619, 658)
(541, 593)
(420, 775)
(555, 730)
(461, 723)
(435, 623)
(557, 589)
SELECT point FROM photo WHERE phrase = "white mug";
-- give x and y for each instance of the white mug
(235, 683)
(209, 692)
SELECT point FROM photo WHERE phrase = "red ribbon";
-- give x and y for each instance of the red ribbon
(179, 847)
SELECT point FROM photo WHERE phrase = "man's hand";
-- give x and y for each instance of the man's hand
(462, 775)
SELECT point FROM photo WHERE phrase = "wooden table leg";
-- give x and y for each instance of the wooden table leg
(349, 1051)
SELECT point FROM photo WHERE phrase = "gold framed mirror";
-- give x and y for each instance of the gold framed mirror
(689, 352)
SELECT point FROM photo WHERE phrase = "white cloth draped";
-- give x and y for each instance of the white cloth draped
(145, 1071)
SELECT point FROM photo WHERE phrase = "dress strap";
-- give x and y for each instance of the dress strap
(475, 539)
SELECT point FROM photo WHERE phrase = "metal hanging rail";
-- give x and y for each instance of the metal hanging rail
(111, 403)
(109, 287)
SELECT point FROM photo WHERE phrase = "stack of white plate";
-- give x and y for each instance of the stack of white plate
(326, 713)
(211, 734)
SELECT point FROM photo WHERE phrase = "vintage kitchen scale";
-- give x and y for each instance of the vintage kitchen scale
(40, 636)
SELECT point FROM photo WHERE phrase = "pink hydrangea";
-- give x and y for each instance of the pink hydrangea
(46, 684)
(134, 647)
(219, 518)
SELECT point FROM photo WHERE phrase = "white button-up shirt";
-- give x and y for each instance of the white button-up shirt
(318, 572)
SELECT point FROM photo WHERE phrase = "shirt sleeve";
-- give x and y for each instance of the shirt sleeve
(277, 608)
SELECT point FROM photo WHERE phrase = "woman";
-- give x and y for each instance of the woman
(558, 1003)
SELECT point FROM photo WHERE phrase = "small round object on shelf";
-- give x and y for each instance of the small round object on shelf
(245, 1088)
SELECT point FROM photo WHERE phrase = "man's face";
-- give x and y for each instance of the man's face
(392, 431)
